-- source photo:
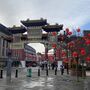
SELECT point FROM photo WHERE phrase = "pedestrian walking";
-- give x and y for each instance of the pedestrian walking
(62, 69)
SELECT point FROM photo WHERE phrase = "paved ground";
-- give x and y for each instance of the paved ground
(51, 82)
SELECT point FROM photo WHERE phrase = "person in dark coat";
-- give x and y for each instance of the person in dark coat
(62, 69)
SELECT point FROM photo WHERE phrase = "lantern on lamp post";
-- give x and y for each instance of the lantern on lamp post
(75, 54)
(87, 42)
(63, 53)
(54, 47)
(88, 58)
(69, 33)
(67, 30)
(55, 62)
(78, 30)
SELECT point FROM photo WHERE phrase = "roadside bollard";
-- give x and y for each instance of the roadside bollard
(67, 69)
(46, 72)
(1, 74)
(56, 71)
(49, 66)
(29, 72)
(38, 71)
(16, 73)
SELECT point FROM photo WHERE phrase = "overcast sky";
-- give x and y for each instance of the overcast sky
(70, 13)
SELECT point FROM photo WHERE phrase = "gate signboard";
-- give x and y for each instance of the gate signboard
(34, 33)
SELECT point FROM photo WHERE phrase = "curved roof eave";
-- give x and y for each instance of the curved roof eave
(16, 30)
(5, 30)
(52, 28)
(31, 23)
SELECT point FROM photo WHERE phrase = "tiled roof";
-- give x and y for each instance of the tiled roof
(31, 23)
(16, 30)
(52, 28)
(4, 29)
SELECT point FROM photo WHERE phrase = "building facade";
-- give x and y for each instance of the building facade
(20, 50)
(5, 41)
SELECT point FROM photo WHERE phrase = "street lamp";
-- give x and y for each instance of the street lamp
(9, 65)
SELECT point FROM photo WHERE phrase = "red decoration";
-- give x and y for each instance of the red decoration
(82, 49)
(63, 53)
(88, 42)
(53, 45)
(88, 58)
(89, 34)
(54, 33)
(69, 33)
(78, 30)
(71, 44)
(83, 52)
(84, 37)
(75, 54)
(65, 60)
(67, 30)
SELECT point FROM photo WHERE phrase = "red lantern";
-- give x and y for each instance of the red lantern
(88, 42)
(78, 30)
(75, 54)
(85, 38)
(63, 53)
(83, 52)
(53, 45)
(65, 60)
(82, 49)
(89, 34)
(67, 30)
(69, 33)
(71, 44)
(54, 33)
(88, 58)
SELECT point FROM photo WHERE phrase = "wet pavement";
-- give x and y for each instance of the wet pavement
(51, 82)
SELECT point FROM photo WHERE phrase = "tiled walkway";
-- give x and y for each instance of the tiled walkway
(51, 82)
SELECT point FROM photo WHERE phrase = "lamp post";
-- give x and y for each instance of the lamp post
(66, 39)
(55, 62)
(9, 66)
(46, 58)
(76, 57)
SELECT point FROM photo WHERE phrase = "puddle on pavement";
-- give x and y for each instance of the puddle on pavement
(42, 82)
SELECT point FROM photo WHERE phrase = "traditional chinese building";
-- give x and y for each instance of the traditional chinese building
(52, 31)
(5, 41)
(34, 29)
(20, 50)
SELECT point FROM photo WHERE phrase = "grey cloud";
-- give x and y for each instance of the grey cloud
(61, 11)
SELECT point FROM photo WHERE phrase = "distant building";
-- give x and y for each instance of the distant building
(34, 29)
(5, 41)
(21, 51)
(86, 32)
(30, 53)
